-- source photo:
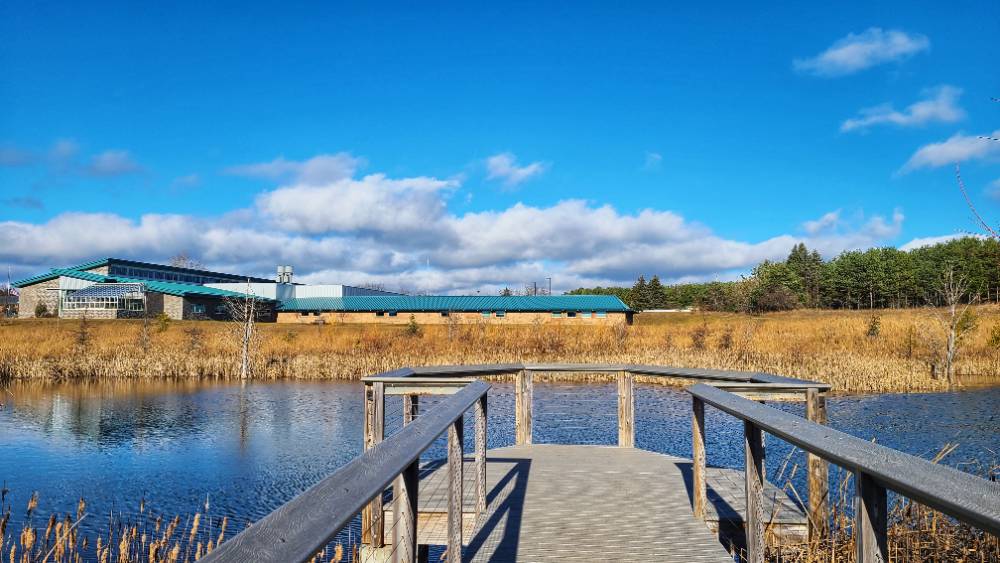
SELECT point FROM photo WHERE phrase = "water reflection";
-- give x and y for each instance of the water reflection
(249, 448)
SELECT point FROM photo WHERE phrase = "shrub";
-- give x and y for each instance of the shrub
(412, 328)
(162, 322)
(874, 327)
(41, 310)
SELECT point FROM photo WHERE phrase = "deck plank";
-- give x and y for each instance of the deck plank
(584, 503)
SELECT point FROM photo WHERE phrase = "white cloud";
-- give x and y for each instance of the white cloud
(112, 163)
(957, 148)
(317, 170)
(939, 105)
(399, 231)
(857, 52)
(827, 221)
(930, 241)
(504, 167)
(653, 161)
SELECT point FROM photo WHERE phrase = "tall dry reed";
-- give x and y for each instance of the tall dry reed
(837, 347)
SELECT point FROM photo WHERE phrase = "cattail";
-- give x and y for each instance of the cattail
(194, 527)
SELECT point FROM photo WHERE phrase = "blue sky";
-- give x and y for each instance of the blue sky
(457, 148)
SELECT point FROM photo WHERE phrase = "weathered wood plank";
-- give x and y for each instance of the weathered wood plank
(819, 476)
(961, 495)
(698, 494)
(481, 418)
(411, 408)
(455, 466)
(626, 410)
(404, 510)
(870, 520)
(372, 523)
(523, 391)
(753, 441)
(304, 525)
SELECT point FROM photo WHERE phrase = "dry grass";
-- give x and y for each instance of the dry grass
(831, 346)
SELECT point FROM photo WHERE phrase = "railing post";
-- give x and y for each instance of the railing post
(411, 408)
(626, 410)
(481, 412)
(819, 476)
(698, 457)
(754, 521)
(522, 407)
(372, 521)
(870, 519)
(404, 511)
(455, 493)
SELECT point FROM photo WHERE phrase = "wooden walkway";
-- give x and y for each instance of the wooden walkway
(588, 503)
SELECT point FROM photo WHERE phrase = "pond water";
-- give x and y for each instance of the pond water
(244, 450)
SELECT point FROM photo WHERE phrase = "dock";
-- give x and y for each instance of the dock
(549, 502)
(545, 502)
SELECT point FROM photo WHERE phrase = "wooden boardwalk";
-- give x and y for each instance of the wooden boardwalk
(587, 503)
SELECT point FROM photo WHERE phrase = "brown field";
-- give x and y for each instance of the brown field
(829, 346)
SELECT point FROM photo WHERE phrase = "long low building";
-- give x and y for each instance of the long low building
(443, 309)
(114, 288)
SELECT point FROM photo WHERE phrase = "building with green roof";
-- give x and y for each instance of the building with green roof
(442, 309)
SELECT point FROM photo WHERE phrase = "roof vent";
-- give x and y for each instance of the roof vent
(284, 274)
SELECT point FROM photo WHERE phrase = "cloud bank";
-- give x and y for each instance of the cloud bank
(335, 226)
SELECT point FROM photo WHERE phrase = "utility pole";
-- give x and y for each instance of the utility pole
(535, 291)
(550, 284)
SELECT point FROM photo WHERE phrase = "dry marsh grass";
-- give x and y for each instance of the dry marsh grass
(838, 347)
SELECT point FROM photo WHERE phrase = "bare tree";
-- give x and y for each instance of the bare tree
(243, 311)
(955, 317)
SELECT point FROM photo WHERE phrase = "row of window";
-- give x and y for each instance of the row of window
(582, 314)
(150, 274)
(112, 303)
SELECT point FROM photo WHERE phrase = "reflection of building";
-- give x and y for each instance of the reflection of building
(114, 288)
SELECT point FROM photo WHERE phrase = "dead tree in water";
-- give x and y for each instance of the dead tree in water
(957, 319)
(243, 311)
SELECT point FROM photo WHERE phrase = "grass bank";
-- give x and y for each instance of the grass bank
(848, 349)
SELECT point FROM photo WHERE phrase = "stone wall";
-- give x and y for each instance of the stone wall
(103, 270)
(438, 318)
(43, 292)
(173, 306)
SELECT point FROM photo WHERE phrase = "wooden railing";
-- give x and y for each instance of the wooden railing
(300, 528)
(303, 526)
(876, 469)
(413, 382)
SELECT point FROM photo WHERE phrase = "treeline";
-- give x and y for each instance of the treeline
(873, 278)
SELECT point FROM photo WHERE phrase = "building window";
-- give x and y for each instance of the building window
(501, 314)
(486, 314)
(198, 309)
(304, 313)
(379, 313)
(556, 314)
(392, 313)
(571, 314)
(585, 314)
(602, 314)
(445, 313)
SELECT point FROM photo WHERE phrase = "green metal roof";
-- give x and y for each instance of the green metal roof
(56, 272)
(458, 303)
(169, 288)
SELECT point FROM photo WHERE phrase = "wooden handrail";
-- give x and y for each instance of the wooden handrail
(963, 496)
(776, 381)
(301, 527)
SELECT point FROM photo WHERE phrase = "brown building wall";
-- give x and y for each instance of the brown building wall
(43, 292)
(437, 318)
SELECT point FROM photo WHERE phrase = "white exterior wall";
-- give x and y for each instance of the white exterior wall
(282, 291)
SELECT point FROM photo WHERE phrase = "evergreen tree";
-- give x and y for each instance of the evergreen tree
(640, 295)
(657, 298)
